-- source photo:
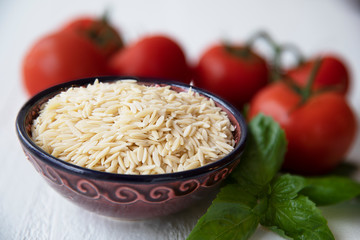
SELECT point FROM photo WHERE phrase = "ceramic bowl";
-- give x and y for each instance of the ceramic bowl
(128, 196)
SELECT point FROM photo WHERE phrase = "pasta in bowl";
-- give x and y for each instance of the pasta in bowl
(131, 148)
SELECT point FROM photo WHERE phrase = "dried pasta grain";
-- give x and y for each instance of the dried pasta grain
(128, 128)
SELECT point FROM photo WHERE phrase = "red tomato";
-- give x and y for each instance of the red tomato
(319, 131)
(234, 73)
(152, 56)
(332, 73)
(58, 58)
(98, 31)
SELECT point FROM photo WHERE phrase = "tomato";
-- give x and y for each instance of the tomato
(58, 58)
(333, 73)
(235, 73)
(98, 31)
(319, 131)
(155, 56)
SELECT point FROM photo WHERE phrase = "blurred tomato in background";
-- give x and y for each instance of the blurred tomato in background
(61, 57)
(79, 49)
(98, 31)
(234, 72)
(154, 56)
(320, 129)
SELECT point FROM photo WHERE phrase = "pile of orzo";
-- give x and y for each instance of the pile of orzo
(125, 127)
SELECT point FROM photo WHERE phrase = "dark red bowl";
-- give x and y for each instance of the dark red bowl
(128, 196)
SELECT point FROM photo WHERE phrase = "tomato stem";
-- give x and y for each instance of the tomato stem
(101, 33)
(276, 63)
(278, 51)
(306, 93)
(300, 59)
(243, 52)
(263, 36)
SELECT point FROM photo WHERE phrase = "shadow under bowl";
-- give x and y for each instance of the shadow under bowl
(129, 196)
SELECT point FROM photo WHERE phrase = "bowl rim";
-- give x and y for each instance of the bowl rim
(28, 144)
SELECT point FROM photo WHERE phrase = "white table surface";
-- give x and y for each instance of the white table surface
(30, 209)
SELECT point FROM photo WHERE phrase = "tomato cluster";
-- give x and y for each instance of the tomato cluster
(80, 49)
(307, 100)
(91, 47)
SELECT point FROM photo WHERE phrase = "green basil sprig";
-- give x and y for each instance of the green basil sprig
(255, 193)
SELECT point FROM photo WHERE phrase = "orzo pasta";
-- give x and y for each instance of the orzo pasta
(125, 127)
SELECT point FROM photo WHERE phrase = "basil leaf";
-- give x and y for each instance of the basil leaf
(330, 190)
(263, 155)
(230, 216)
(286, 187)
(234, 193)
(297, 218)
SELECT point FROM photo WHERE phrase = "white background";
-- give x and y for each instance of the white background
(29, 209)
